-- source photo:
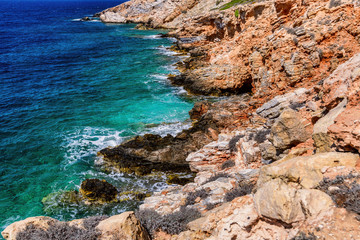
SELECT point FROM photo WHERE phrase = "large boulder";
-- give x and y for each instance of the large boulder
(124, 226)
(280, 201)
(306, 170)
(43, 223)
(276, 200)
(289, 130)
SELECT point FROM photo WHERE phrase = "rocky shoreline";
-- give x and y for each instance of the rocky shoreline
(277, 159)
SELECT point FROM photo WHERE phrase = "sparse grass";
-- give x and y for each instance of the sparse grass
(233, 141)
(217, 176)
(345, 192)
(62, 230)
(295, 106)
(210, 206)
(335, 3)
(173, 223)
(234, 3)
(190, 199)
(228, 164)
(260, 136)
(304, 236)
(236, 13)
(242, 190)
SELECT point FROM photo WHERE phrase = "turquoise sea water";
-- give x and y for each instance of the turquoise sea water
(69, 89)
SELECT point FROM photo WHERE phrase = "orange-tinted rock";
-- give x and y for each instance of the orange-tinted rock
(346, 129)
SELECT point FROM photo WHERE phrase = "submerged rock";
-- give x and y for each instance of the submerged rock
(95, 190)
(85, 19)
(176, 179)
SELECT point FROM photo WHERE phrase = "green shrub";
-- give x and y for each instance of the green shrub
(234, 3)
(237, 13)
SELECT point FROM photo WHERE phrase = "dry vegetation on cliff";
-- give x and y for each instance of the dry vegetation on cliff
(279, 158)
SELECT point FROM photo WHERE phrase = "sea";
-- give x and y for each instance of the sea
(69, 89)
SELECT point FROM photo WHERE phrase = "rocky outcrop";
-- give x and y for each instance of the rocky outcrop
(305, 171)
(124, 226)
(143, 154)
(95, 190)
(281, 162)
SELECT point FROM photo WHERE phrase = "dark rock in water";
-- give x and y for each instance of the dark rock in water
(143, 154)
(141, 26)
(85, 19)
(95, 190)
(176, 179)
(97, 15)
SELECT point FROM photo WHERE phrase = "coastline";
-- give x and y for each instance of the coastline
(267, 156)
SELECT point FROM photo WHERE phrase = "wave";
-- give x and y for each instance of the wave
(164, 129)
(86, 142)
(157, 36)
(80, 20)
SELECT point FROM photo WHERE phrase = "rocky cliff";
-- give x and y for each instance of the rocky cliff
(279, 157)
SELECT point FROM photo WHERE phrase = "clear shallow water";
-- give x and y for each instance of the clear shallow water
(68, 89)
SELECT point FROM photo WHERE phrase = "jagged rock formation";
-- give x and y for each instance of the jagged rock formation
(281, 162)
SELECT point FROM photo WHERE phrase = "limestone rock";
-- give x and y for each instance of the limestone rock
(273, 108)
(12, 230)
(124, 226)
(313, 201)
(321, 137)
(346, 129)
(307, 170)
(276, 200)
(289, 130)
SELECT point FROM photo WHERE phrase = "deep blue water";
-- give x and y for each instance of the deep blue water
(68, 89)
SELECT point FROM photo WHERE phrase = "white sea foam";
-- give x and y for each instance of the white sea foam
(86, 142)
(168, 128)
(157, 36)
(79, 20)
(162, 78)
(165, 51)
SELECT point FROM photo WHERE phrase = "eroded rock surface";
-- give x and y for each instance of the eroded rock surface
(124, 226)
